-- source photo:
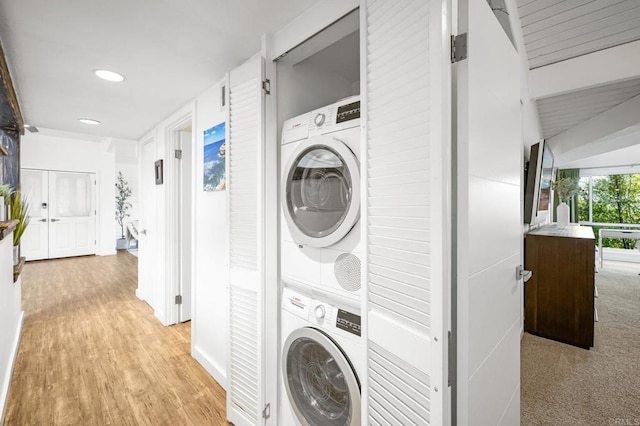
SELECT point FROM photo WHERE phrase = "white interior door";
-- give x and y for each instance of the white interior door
(72, 214)
(184, 220)
(245, 179)
(489, 227)
(146, 240)
(34, 244)
(406, 172)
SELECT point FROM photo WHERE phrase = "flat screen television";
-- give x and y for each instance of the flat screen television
(538, 177)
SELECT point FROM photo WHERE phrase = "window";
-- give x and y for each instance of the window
(610, 199)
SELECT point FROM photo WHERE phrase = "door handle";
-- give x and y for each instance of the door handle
(55, 220)
(522, 273)
(43, 220)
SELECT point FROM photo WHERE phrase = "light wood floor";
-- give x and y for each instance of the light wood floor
(93, 354)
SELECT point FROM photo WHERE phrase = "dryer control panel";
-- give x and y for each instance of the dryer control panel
(342, 115)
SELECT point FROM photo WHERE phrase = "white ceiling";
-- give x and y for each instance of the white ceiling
(559, 113)
(169, 50)
(557, 30)
(585, 77)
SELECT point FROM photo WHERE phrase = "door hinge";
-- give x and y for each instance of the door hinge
(266, 86)
(451, 363)
(459, 49)
(266, 413)
(179, 299)
(178, 154)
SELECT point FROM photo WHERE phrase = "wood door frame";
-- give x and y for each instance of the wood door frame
(185, 118)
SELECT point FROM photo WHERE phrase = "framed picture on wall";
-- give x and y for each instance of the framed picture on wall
(11, 160)
(214, 159)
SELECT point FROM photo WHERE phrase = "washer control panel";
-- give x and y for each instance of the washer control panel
(348, 321)
(323, 314)
(333, 318)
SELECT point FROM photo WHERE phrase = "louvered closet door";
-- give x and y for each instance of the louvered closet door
(245, 170)
(406, 79)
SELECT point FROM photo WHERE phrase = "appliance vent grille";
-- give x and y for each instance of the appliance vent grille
(347, 271)
(243, 380)
(398, 393)
(244, 126)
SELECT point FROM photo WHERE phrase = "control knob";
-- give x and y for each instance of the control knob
(320, 312)
(319, 119)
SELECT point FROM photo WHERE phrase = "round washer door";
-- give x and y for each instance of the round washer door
(321, 192)
(321, 384)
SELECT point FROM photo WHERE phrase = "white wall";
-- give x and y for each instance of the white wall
(78, 153)
(209, 324)
(531, 130)
(210, 315)
(11, 316)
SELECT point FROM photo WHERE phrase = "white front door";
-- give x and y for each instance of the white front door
(63, 214)
(489, 227)
(34, 244)
(72, 214)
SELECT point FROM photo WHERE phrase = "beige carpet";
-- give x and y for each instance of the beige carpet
(565, 385)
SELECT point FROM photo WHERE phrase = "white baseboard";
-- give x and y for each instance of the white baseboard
(160, 316)
(4, 395)
(109, 252)
(139, 294)
(217, 373)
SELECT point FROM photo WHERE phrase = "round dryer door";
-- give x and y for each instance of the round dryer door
(322, 386)
(321, 192)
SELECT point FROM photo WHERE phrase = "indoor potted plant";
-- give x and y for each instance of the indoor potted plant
(565, 188)
(5, 197)
(19, 212)
(123, 193)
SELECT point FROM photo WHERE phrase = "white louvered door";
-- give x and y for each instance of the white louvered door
(407, 163)
(245, 170)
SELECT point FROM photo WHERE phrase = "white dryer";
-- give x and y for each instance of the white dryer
(320, 199)
(322, 361)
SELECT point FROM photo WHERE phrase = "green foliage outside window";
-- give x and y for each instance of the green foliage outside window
(615, 199)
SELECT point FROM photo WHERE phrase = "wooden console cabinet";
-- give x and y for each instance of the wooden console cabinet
(559, 302)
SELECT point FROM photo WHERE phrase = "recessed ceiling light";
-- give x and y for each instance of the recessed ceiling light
(109, 75)
(89, 121)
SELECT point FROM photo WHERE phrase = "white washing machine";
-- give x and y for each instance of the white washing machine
(322, 360)
(320, 194)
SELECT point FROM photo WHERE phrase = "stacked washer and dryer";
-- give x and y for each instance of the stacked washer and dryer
(320, 324)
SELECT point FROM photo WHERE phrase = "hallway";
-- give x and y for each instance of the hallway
(92, 353)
